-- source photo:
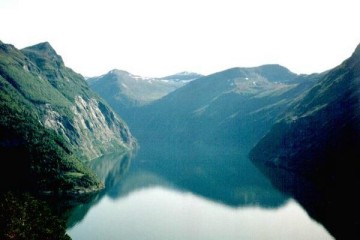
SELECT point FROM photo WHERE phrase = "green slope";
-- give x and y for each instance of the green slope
(51, 122)
(319, 136)
(35, 157)
(229, 110)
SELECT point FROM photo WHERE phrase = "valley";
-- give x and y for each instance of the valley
(242, 138)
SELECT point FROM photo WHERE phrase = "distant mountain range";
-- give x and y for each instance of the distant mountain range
(124, 91)
(229, 110)
(203, 131)
(51, 122)
(304, 125)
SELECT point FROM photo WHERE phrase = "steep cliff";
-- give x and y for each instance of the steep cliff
(51, 121)
(81, 117)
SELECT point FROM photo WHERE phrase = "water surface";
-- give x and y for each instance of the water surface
(160, 213)
(195, 196)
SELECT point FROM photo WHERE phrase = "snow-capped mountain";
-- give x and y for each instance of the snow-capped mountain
(124, 90)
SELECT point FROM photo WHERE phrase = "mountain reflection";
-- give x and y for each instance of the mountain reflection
(227, 179)
(334, 206)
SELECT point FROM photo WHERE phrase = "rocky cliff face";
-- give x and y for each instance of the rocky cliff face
(94, 128)
(86, 122)
(50, 119)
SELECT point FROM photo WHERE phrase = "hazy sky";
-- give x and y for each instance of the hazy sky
(161, 37)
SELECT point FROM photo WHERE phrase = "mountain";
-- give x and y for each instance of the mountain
(51, 122)
(197, 137)
(317, 141)
(25, 217)
(182, 77)
(124, 91)
(319, 136)
(228, 110)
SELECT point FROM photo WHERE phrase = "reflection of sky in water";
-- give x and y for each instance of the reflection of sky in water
(159, 213)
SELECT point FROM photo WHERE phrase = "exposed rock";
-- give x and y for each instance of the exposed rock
(50, 122)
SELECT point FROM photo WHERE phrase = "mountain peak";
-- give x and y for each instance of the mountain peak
(354, 60)
(276, 73)
(6, 47)
(118, 72)
(43, 51)
(185, 73)
(43, 47)
(356, 53)
(357, 50)
(183, 76)
(273, 67)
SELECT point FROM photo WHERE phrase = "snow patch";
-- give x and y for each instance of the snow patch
(136, 77)
(26, 68)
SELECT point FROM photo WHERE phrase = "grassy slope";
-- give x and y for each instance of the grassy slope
(230, 109)
(35, 157)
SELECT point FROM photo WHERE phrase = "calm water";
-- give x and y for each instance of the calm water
(167, 196)
(160, 213)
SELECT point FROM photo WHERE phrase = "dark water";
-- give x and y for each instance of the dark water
(179, 194)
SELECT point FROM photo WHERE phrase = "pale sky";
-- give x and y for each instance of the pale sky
(161, 37)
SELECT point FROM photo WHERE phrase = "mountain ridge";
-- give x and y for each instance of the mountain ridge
(331, 105)
(317, 140)
(50, 121)
(214, 110)
(125, 91)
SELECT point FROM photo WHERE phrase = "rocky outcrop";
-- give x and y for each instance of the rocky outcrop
(96, 123)
(93, 128)
(51, 122)
(86, 122)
